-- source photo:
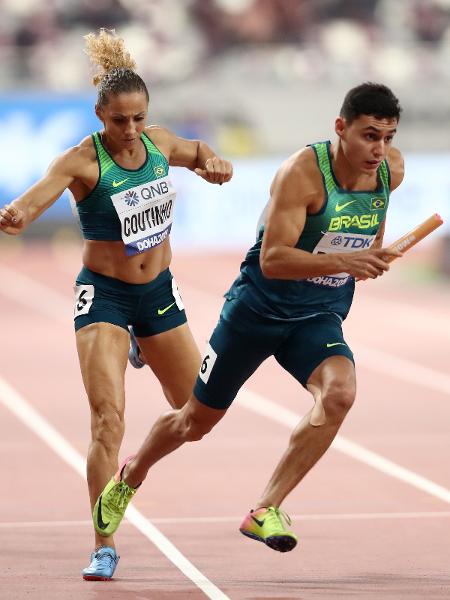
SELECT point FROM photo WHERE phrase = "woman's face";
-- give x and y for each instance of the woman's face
(124, 118)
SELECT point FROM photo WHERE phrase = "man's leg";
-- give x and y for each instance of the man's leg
(332, 384)
(335, 381)
(230, 358)
(170, 431)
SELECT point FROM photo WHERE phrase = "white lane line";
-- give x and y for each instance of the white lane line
(407, 316)
(35, 295)
(407, 371)
(214, 520)
(48, 434)
(271, 410)
(401, 368)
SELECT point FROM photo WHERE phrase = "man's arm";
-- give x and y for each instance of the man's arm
(294, 191)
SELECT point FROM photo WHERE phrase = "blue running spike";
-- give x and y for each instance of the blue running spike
(103, 564)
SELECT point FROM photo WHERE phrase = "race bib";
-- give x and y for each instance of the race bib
(340, 243)
(176, 295)
(209, 358)
(84, 296)
(146, 214)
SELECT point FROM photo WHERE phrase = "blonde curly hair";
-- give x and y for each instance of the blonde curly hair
(115, 66)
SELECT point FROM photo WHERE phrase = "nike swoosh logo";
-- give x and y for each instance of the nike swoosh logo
(336, 344)
(340, 207)
(100, 522)
(117, 183)
(258, 522)
(161, 311)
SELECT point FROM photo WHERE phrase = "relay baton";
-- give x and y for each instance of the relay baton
(410, 239)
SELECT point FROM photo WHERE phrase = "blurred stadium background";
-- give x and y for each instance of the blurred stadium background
(257, 79)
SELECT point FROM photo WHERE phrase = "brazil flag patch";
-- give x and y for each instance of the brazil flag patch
(377, 203)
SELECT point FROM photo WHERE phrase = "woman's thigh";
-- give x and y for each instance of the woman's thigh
(103, 353)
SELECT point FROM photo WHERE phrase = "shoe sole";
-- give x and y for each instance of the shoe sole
(280, 543)
(96, 578)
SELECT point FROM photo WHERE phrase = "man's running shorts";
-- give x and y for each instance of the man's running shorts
(243, 339)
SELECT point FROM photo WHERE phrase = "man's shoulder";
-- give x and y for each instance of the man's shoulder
(303, 163)
(300, 173)
(303, 157)
(396, 167)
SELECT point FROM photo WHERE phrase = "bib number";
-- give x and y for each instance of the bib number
(84, 296)
(146, 214)
(209, 358)
(176, 295)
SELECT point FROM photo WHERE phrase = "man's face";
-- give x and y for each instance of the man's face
(366, 141)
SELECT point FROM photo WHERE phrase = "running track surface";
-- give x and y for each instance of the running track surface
(373, 517)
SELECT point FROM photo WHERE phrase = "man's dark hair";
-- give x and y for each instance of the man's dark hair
(370, 99)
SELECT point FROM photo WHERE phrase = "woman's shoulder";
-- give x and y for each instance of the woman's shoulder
(157, 133)
(162, 138)
(84, 150)
(156, 129)
(78, 158)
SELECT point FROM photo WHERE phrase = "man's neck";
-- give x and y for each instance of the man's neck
(346, 175)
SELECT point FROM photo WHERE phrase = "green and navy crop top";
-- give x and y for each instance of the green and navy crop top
(132, 205)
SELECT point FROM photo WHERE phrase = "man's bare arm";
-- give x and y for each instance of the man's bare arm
(293, 193)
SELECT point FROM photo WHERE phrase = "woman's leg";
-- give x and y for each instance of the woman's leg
(103, 352)
(174, 358)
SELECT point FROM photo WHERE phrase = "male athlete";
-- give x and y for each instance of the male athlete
(324, 229)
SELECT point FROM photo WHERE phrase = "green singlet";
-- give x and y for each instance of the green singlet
(99, 219)
(347, 222)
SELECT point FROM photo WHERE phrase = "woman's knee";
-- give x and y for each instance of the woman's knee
(107, 422)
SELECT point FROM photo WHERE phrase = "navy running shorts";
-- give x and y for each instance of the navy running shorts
(150, 308)
(243, 339)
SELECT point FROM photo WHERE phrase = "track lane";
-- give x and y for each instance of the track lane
(219, 548)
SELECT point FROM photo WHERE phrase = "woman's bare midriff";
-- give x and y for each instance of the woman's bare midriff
(109, 258)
